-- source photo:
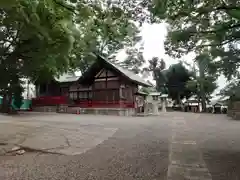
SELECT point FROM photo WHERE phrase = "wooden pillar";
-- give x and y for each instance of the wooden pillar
(37, 86)
(106, 86)
(145, 107)
(120, 96)
(47, 89)
(164, 105)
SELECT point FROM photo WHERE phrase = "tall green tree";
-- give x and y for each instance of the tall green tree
(177, 77)
(232, 90)
(156, 68)
(203, 82)
(202, 25)
(36, 36)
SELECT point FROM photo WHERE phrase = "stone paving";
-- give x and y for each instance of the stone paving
(185, 159)
(45, 137)
(172, 146)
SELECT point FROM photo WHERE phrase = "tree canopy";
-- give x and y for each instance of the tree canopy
(171, 81)
(199, 26)
(157, 67)
(232, 90)
(36, 37)
(64, 32)
(203, 82)
(105, 28)
(42, 38)
(134, 60)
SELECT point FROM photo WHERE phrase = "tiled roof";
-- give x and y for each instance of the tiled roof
(164, 95)
(67, 77)
(154, 93)
(141, 93)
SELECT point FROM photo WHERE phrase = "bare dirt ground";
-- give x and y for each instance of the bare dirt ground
(172, 146)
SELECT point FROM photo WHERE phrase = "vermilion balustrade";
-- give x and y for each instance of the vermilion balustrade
(49, 100)
(60, 100)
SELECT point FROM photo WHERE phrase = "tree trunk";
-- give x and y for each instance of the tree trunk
(202, 91)
(178, 99)
(7, 104)
(10, 109)
(203, 101)
(4, 107)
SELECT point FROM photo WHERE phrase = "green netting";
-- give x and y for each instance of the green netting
(26, 104)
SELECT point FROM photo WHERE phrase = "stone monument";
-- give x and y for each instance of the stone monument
(163, 98)
(155, 107)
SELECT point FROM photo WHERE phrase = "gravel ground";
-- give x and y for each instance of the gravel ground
(220, 146)
(133, 152)
(138, 150)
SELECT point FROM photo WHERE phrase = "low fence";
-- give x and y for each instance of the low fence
(63, 100)
(234, 110)
(103, 104)
(49, 100)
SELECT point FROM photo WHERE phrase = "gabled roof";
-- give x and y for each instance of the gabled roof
(217, 103)
(71, 77)
(129, 74)
(126, 73)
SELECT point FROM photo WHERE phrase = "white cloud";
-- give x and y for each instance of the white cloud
(153, 38)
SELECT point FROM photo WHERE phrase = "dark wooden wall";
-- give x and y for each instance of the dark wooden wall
(48, 89)
(108, 86)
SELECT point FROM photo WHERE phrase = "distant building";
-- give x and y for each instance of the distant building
(192, 104)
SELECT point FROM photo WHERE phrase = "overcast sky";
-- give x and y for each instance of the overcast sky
(153, 36)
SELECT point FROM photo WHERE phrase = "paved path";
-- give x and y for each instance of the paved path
(185, 158)
(173, 146)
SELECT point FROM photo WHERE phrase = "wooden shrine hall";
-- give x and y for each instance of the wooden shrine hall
(105, 88)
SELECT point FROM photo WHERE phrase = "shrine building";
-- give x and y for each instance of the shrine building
(105, 88)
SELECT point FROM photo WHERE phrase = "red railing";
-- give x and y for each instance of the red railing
(58, 100)
(49, 100)
(103, 104)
